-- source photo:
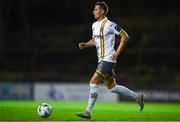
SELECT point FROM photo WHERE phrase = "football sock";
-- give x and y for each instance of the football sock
(124, 91)
(92, 97)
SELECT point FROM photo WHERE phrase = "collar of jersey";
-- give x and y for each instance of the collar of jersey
(102, 20)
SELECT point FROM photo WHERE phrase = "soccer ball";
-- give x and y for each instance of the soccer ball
(44, 110)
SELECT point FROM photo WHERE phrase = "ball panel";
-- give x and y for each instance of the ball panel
(44, 110)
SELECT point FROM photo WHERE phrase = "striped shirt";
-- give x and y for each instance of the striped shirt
(104, 34)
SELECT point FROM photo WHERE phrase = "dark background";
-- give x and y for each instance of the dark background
(38, 41)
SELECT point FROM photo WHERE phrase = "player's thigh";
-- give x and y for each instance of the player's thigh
(95, 79)
(110, 82)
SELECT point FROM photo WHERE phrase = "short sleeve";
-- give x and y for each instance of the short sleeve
(115, 28)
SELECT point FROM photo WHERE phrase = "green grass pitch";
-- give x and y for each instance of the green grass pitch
(103, 111)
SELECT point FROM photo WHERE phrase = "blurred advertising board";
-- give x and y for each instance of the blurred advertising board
(158, 95)
(15, 90)
(69, 92)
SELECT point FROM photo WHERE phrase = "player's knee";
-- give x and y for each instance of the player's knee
(112, 89)
(110, 85)
(93, 82)
(95, 79)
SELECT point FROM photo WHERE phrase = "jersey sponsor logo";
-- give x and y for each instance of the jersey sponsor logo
(97, 36)
(117, 28)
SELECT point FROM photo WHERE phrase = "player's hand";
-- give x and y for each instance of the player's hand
(82, 45)
(115, 56)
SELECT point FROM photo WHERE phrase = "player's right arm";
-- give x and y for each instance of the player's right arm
(88, 44)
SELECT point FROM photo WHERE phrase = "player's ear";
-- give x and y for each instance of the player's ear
(102, 12)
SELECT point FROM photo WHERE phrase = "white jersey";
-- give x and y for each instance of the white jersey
(104, 35)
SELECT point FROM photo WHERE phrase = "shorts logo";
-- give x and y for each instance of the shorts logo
(97, 36)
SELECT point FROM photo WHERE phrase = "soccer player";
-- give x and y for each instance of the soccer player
(103, 39)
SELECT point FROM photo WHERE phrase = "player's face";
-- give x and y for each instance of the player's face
(98, 12)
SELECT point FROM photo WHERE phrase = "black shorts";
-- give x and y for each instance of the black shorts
(105, 69)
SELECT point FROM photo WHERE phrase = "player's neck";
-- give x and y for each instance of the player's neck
(101, 18)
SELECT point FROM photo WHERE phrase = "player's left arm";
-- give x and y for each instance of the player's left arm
(123, 40)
